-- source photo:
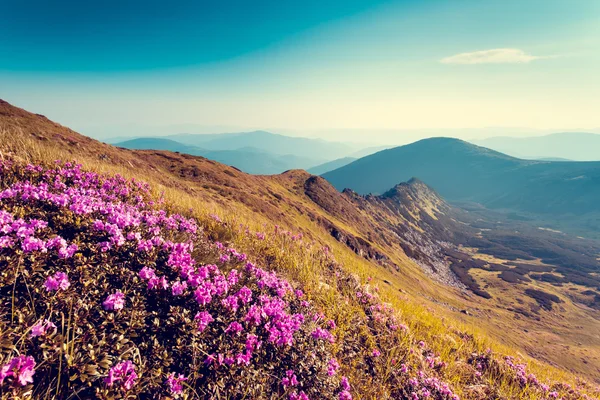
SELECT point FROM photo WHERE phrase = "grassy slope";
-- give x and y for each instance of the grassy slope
(202, 187)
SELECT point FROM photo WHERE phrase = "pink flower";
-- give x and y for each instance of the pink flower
(59, 280)
(156, 283)
(42, 328)
(202, 295)
(21, 368)
(344, 383)
(178, 288)
(376, 353)
(234, 327)
(345, 395)
(147, 273)
(320, 333)
(298, 396)
(115, 301)
(203, 318)
(332, 367)
(123, 373)
(175, 383)
(67, 252)
(245, 295)
(290, 379)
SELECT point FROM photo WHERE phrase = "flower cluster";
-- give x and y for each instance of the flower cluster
(142, 291)
(21, 369)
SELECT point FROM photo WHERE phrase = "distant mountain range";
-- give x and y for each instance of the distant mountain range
(464, 172)
(247, 159)
(257, 152)
(576, 146)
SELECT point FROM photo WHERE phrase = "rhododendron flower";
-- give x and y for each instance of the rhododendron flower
(299, 396)
(243, 358)
(67, 252)
(344, 383)
(21, 368)
(202, 295)
(234, 327)
(178, 288)
(123, 373)
(290, 379)
(42, 328)
(147, 273)
(6, 242)
(115, 301)
(252, 342)
(59, 280)
(158, 283)
(176, 383)
(245, 295)
(31, 244)
(332, 367)
(320, 333)
(203, 318)
(345, 395)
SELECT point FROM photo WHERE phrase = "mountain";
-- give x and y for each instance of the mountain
(404, 277)
(331, 165)
(556, 192)
(576, 146)
(247, 159)
(269, 142)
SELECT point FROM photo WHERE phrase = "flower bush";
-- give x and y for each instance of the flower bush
(105, 294)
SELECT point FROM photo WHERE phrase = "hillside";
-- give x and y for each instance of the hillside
(576, 146)
(368, 263)
(249, 160)
(462, 172)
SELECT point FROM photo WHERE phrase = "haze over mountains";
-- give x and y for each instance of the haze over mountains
(248, 159)
(256, 152)
(576, 146)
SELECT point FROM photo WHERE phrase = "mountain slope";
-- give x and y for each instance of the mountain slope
(460, 171)
(576, 146)
(363, 239)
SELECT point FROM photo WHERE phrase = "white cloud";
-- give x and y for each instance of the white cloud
(492, 56)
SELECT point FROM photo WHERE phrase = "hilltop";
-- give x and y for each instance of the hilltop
(379, 267)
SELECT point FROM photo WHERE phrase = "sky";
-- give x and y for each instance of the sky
(373, 71)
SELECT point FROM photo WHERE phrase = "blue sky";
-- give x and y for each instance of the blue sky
(382, 69)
